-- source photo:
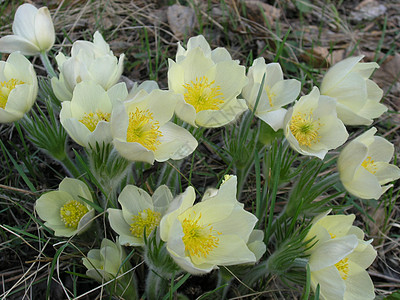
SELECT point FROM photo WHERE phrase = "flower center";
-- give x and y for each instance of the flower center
(203, 95)
(90, 120)
(5, 89)
(72, 212)
(198, 239)
(145, 219)
(143, 129)
(369, 165)
(305, 129)
(270, 95)
(343, 268)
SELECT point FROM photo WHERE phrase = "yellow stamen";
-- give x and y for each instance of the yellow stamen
(305, 129)
(90, 120)
(203, 95)
(343, 268)
(5, 89)
(270, 95)
(369, 165)
(72, 212)
(199, 240)
(143, 129)
(148, 219)
(332, 235)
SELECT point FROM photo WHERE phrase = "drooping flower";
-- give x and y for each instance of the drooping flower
(275, 92)
(64, 210)
(211, 233)
(312, 127)
(88, 62)
(105, 263)
(33, 31)
(140, 213)
(18, 87)
(339, 258)
(142, 130)
(357, 96)
(86, 117)
(364, 167)
(208, 82)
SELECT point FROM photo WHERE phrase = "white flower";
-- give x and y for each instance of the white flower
(339, 258)
(211, 233)
(357, 96)
(312, 127)
(364, 166)
(208, 82)
(142, 130)
(275, 92)
(33, 31)
(64, 210)
(86, 117)
(18, 87)
(88, 62)
(139, 212)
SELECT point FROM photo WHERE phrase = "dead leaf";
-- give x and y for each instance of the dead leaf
(368, 10)
(389, 74)
(181, 20)
(316, 57)
(257, 9)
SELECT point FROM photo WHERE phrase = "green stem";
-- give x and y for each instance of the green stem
(70, 167)
(156, 286)
(47, 64)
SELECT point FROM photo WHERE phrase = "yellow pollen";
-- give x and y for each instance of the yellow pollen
(143, 129)
(90, 120)
(270, 95)
(203, 95)
(332, 235)
(343, 268)
(72, 212)
(148, 219)
(198, 239)
(305, 129)
(5, 89)
(369, 165)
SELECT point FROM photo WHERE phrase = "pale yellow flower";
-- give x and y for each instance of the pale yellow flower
(339, 258)
(275, 92)
(312, 127)
(208, 82)
(105, 264)
(33, 31)
(87, 116)
(142, 130)
(364, 167)
(357, 96)
(88, 62)
(211, 233)
(140, 212)
(18, 87)
(64, 210)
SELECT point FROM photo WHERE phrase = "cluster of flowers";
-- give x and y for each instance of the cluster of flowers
(204, 89)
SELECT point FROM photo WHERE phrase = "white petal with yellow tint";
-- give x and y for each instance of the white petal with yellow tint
(44, 29)
(358, 285)
(331, 252)
(133, 151)
(12, 43)
(176, 143)
(331, 284)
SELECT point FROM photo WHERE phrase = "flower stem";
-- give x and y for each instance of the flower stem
(47, 64)
(70, 167)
